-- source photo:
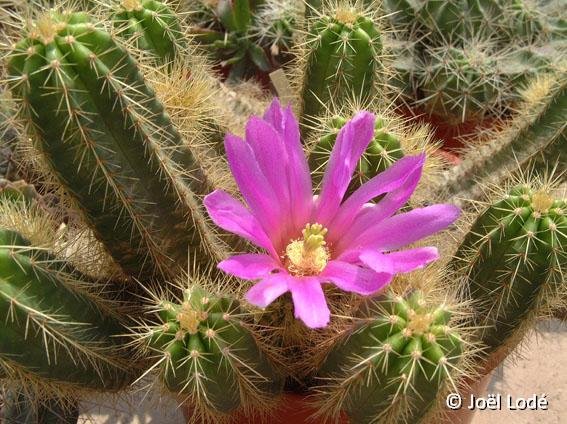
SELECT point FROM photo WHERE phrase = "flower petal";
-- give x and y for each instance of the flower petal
(351, 143)
(371, 215)
(355, 278)
(231, 215)
(406, 228)
(309, 301)
(301, 190)
(271, 156)
(412, 259)
(405, 173)
(377, 261)
(254, 186)
(249, 266)
(268, 290)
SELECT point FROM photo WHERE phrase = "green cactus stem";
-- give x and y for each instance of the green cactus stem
(393, 362)
(512, 259)
(342, 61)
(53, 330)
(110, 144)
(152, 25)
(209, 356)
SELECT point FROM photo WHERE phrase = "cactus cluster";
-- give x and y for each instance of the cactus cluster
(466, 61)
(111, 271)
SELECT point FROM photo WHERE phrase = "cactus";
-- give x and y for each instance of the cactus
(110, 144)
(455, 57)
(208, 355)
(392, 363)
(341, 60)
(512, 259)
(53, 329)
(152, 25)
(123, 147)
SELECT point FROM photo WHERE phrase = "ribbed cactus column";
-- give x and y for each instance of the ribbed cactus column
(152, 25)
(390, 367)
(209, 357)
(341, 60)
(53, 331)
(514, 257)
(110, 144)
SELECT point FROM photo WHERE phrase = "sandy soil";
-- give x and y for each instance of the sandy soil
(540, 370)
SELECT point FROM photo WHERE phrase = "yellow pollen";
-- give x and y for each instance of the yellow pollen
(46, 28)
(308, 256)
(131, 5)
(542, 201)
(345, 16)
(420, 323)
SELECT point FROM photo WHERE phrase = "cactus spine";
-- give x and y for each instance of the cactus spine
(208, 355)
(20, 408)
(390, 366)
(110, 144)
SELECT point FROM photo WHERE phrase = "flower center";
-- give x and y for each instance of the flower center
(308, 256)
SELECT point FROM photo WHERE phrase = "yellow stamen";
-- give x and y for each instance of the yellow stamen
(310, 255)
(542, 201)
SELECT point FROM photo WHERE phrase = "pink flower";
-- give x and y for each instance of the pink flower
(313, 240)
